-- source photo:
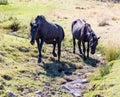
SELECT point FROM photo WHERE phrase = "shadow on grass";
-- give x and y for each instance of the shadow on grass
(90, 61)
(58, 69)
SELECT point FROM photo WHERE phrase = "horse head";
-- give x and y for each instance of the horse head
(33, 32)
(40, 19)
(35, 26)
(93, 43)
(93, 39)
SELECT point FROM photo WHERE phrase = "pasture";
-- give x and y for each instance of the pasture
(19, 71)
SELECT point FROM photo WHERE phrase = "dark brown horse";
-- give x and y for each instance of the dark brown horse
(83, 33)
(44, 31)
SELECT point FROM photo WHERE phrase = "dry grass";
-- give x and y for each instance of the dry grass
(112, 52)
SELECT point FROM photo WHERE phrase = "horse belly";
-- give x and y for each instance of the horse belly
(50, 40)
(76, 35)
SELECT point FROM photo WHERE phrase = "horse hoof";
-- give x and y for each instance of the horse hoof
(84, 58)
(39, 60)
(54, 54)
(81, 53)
(58, 61)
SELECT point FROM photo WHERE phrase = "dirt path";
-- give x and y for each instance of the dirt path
(74, 80)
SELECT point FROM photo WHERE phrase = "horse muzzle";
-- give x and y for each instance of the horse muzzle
(92, 52)
(32, 42)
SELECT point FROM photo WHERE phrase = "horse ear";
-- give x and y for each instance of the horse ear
(99, 37)
(38, 16)
(31, 24)
(89, 25)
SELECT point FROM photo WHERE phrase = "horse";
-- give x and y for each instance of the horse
(43, 31)
(83, 32)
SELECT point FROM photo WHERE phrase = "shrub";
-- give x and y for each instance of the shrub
(15, 25)
(104, 70)
(104, 22)
(3, 2)
(101, 49)
(112, 53)
(11, 24)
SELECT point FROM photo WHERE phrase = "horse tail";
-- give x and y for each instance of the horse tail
(73, 23)
(61, 31)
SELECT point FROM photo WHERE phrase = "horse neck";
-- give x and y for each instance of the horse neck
(92, 35)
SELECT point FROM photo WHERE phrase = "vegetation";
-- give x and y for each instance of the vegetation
(107, 85)
(112, 53)
(3, 2)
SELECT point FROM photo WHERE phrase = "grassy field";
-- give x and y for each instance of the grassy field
(107, 86)
(19, 71)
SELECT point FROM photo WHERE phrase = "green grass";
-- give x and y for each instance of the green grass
(18, 66)
(24, 12)
(13, 65)
(112, 53)
(107, 86)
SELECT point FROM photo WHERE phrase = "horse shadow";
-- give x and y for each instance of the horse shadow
(91, 61)
(58, 69)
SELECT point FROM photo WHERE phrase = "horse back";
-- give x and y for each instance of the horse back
(76, 28)
(52, 32)
(61, 33)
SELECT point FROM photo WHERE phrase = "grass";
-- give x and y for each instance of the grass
(3, 2)
(112, 52)
(107, 86)
(18, 66)
(12, 63)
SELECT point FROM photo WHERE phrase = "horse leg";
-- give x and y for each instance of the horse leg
(84, 49)
(74, 43)
(39, 49)
(59, 51)
(88, 50)
(79, 46)
(54, 46)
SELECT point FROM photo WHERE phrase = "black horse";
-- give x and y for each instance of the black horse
(83, 33)
(44, 31)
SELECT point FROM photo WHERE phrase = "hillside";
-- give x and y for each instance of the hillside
(108, 86)
(19, 71)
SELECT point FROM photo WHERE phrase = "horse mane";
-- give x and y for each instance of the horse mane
(32, 19)
(41, 17)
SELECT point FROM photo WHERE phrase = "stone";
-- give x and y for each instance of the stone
(38, 92)
(76, 87)
(10, 93)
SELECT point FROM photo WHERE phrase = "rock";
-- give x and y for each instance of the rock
(76, 87)
(7, 77)
(38, 92)
(71, 78)
(49, 95)
(53, 92)
(47, 84)
(20, 88)
(10, 93)
(76, 93)
(1, 86)
(84, 81)
(98, 95)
